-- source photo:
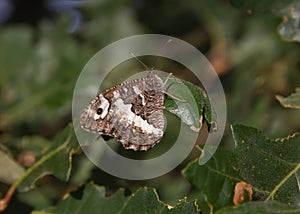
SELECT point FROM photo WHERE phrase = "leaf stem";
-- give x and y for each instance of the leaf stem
(4, 202)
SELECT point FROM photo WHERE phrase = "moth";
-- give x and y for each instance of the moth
(131, 112)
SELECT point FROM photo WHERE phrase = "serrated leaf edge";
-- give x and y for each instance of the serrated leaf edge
(281, 140)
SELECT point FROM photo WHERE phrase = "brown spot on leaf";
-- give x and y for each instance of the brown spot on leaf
(242, 193)
(27, 158)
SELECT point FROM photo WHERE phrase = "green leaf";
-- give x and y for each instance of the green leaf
(292, 101)
(289, 10)
(194, 106)
(37, 81)
(183, 207)
(146, 201)
(93, 200)
(56, 160)
(143, 201)
(260, 5)
(9, 169)
(215, 180)
(260, 207)
(270, 166)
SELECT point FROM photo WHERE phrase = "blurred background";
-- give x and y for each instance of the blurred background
(44, 45)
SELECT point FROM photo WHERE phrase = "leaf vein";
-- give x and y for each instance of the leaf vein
(282, 182)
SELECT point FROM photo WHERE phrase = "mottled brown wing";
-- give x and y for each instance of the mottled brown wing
(131, 112)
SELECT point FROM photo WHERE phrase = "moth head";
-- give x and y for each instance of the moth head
(94, 112)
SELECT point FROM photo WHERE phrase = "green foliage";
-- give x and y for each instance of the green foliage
(38, 70)
(270, 166)
(37, 79)
(260, 208)
(94, 200)
(193, 107)
(214, 181)
(55, 160)
(10, 169)
(289, 11)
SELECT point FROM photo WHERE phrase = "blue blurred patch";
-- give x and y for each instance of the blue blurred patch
(6, 9)
(51, 7)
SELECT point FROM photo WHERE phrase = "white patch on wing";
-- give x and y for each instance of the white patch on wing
(104, 105)
(124, 110)
(132, 147)
(96, 116)
(116, 94)
(136, 90)
(89, 111)
(143, 99)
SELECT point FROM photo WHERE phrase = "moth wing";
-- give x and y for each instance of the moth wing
(131, 112)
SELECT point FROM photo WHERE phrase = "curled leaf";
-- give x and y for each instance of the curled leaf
(196, 107)
(292, 101)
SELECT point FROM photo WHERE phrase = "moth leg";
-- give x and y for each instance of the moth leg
(166, 80)
(175, 98)
(165, 90)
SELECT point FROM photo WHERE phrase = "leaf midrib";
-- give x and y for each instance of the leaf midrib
(282, 181)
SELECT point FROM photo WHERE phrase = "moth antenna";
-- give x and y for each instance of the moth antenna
(178, 81)
(164, 46)
(168, 42)
(162, 49)
(170, 95)
(143, 64)
(167, 78)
